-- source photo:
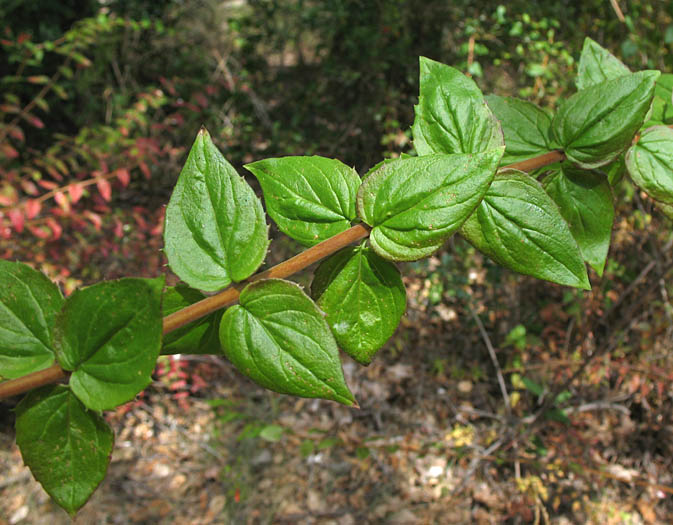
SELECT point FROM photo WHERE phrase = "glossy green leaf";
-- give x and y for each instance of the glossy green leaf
(662, 105)
(29, 303)
(519, 226)
(650, 163)
(597, 64)
(215, 230)
(66, 446)
(109, 336)
(595, 125)
(666, 209)
(525, 125)
(415, 204)
(585, 201)
(310, 198)
(452, 115)
(364, 298)
(279, 338)
(198, 337)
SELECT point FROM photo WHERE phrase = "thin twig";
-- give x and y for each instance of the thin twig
(494, 360)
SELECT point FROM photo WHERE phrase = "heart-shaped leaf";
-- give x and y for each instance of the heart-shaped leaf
(310, 198)
(279, 338)
(29, 303)
(198, 337)
(597, 64)
(414, 204)
(585, 201)
(215, 230)
(66, 446)
(364, 298)
(452, 115)
(525, 125)
(109, 336)
(519, 226)
(595, 125)
(650, 163)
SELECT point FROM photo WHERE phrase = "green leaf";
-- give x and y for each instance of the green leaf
(279, 338)
(364, 299)
(666, 209)
(310, 198)
(650, 163)
(415, 204)
(525, 125)
(452, 115)
(198, 337)
(29, 303)
(519, 226)
(109, 336)
(272, 433)
(585, 201)
(66, 446)
(597, 64)
(215, 230)
(662, 105)
(595, 125)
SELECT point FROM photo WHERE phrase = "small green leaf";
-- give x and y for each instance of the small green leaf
(109, 336)
(525, 125)
(272, 433)
(414, 204)
(279, 338)
(364, 299)
(452, 115)
(519, 226)
(310, 198)
(650, 163)
(29, 303)
(666, 209)
(66, 446)
(595, 125)
(597, 64)
(215, 230)
(585, 201)
(198, 337)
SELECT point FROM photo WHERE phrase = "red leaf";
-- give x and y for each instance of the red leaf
(17, 133)
(104, 189)
(33, 207)
(55, 227)
(47, 184)
(146, 171)
(34, 121)
(75, 192)
(17, 219)
(39, 232)
(29, 187)
(8, 151)
(62, 201)
(94, 218)
(119, 229)
(124, 176)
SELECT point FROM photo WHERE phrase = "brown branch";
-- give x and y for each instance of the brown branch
(230, 295)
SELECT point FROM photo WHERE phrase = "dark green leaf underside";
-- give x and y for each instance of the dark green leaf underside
(66, 446)
(585, 201)
(364, 299)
